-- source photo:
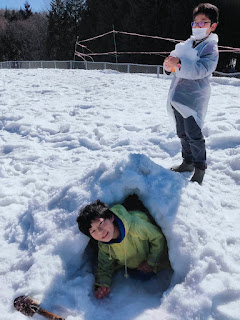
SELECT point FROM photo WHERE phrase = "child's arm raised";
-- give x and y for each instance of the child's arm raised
(201, 68)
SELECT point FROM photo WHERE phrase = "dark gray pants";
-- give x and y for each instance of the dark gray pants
(193, 143)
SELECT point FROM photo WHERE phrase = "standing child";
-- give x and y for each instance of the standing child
(125, 240)
(193, 63)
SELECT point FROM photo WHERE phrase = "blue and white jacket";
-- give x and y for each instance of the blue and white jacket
(190, 89)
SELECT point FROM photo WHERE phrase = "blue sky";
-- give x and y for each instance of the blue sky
(36, 5)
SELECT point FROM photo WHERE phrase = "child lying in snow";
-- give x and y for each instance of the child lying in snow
(125, 239)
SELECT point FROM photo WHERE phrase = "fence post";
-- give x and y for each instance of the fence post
(115, 46)
(128, 68)
(158, 71)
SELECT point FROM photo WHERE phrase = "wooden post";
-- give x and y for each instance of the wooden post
(158, 68)
(74, 59)
(115, 46)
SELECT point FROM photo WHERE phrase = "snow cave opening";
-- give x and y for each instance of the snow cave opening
(158, 284)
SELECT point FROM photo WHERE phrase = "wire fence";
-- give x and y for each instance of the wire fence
(89, 65)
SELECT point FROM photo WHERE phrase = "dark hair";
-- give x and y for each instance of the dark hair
(90, 213)
(209, 10)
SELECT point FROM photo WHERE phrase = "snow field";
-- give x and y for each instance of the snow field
(69, 137)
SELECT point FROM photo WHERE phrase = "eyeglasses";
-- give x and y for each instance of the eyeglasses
(201, 24)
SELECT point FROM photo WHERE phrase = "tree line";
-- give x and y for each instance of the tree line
(51, 35)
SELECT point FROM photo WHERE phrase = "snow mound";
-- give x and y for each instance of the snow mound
(69, 137)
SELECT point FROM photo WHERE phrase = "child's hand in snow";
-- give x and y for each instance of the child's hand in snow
(145, 267)
(102, 292)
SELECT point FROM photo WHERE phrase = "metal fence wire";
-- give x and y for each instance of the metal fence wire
(90, 65)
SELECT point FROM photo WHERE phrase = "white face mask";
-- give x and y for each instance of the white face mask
(199, 33)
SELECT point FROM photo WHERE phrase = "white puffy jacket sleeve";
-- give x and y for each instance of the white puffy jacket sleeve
(202, 68)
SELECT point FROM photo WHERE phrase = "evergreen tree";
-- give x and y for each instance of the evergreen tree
(27, 12)
(64, 19)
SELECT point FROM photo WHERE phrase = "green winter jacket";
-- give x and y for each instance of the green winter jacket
(143, 241)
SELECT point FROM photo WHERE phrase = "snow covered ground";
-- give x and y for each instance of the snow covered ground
(69, 137)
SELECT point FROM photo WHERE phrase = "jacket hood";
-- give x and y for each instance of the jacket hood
(123, 215)
(142, 242)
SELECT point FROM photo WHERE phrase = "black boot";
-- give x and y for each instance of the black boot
(183, 167)
(198, 176)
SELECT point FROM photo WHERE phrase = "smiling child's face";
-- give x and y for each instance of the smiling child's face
(104, 229)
